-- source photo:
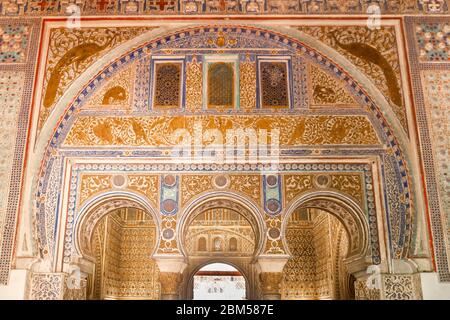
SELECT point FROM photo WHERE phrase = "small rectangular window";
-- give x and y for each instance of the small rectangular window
(274, 84)
(167, 81)
(221, 82)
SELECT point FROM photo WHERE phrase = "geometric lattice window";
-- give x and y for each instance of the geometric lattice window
(167, 85)
(274, 85)
(221, 85)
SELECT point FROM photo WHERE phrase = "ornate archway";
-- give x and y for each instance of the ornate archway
(381, 126)
(231, 201)
(305, 45)
(347, 212)
(100, 206)
(107, 232)
(244, 262)
(327, 237)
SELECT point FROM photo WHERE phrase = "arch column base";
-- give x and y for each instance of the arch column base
(57, 286)
(389, 287)
(398, 281)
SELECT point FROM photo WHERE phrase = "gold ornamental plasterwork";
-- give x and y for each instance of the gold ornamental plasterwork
(71, 51)
(93, 184)
(160, 131)
(116, 93)
(193, 185)
(170, 245)
(147, 185)
(247, 184)
(374, 52)
(247, 82)
(350, 184)
(194, 85)
(296, 184)
(274, 245)
(328, 91)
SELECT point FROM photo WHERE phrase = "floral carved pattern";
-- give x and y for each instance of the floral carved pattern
(401, 287)
(374, 52)
(93, 184)
(147, 185)
(71, 51)
(247, 83)
(328, 91)
(194, 85)
(158, 131)
(47, 286)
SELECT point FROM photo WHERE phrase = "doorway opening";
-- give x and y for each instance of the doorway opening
(219, 281)
(123, 242)
(225, 232)
(319, 245)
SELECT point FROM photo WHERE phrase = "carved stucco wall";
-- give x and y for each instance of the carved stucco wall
(124, 268)
(314, 270)
(434, 89)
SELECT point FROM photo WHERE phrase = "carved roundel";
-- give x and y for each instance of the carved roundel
(168, 234)
(322, 181)
(119, 181)
(221, 181)
(169, 206)
(273, 233)
(169, 180)
(272, 181)
(273, 206)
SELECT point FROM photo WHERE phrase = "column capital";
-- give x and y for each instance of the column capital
(86, 266)
(272, 263)
(170, 263)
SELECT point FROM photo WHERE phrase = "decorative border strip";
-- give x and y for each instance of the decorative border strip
(201, 7)
(8, 237)
(432, 193)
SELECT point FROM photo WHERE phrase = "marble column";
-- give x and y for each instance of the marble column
(271, 275)
(170, 285)
(171, 269)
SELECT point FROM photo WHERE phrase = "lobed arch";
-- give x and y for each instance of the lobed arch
(67, 106)
(345, 210)
(232, 201)
(100, 206)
